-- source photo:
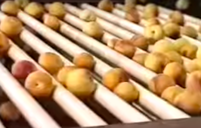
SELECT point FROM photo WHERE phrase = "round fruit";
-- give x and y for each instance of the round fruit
(22, 3)
(9, 7)
(87, 15)
(106, 5)
(57, 9)
(5, 45)
(52, 22)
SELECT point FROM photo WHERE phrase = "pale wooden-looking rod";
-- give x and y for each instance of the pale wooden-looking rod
(73, 106)
(146, 97)
(131, 115)
(29, 108)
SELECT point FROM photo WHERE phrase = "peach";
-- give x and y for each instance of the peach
(84, 60)
(193, 65)
(177, 17)
(57, 9)
(179, 43)
(9, 7)
(50, 62)
(159, 83)
(5, 45)
(150, 11)
(127, 92)
(63, 72)
(188, 50)
(193, 81)
(140, 58)
(39, 84)
(80, 83)
(9, 112)
(106, 5)
(163, 46)
(7, 25)
(21, 69)
(140, 42)
(34, 9)
(172, 30)
(52, 22)
(113, 77)
(173, 56)
(170, 93)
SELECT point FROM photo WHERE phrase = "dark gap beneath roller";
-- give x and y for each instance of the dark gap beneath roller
(102, 112)
(48, 104)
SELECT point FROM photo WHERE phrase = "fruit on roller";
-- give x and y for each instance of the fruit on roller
(159, 83)
(93, 29)
(177, 17)
(140, 58)
(163, 46)
(127, 92)
(87, 15)
(39, 84)
(173, 56)
(179, 43)
(84, 60)
(151, 21)
(9, 7)
(189, 31)
(106, 5)
(21, 69)
(22, 3)
(8, 23)
(172, 30)
(176, 71)
(113, 77)
(189, 102)
(193, 65)
(170, 93)
(50, 62)
(80, 83)
(150, 11)
(5, 45)
(156, 62)
(111, 43)
(52, 22)
(34, 9)
(193, 81)
(125, 47)
(154, 33)
(9, 112)
(57, 9)
(198, 53)
(140, 42)
(133, 16)
(63, 72)
(188, 50)
(129, 5)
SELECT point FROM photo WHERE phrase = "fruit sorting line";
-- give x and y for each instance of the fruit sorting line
(149, 106)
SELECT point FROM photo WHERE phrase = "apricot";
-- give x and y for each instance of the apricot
(50, 62)
(63, 72)
(52, 22)
(140, 42)
(177, 17)
(9, 112)
(80, 83)
(159, 83)
(172, 30)
(152, 21)
(113, 77)
(188, 50)
(156, 62)
(39, 84)
(140, 58)
(22, 3)
(189, 102)
(57, 9)
(189, 31)
(127, 92)
(9, 7)
(170, 93)
(21, 69)
(4, 45)
(93, 29)
(174, 56)
(106, 5)
(125, 47)
(87, 15)
(150, 11)
(7, 25)
(193, 81)
(176, 71)
(84, 60)
(133, 16)
(154, 33)
(34, 9)
(163, 46)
